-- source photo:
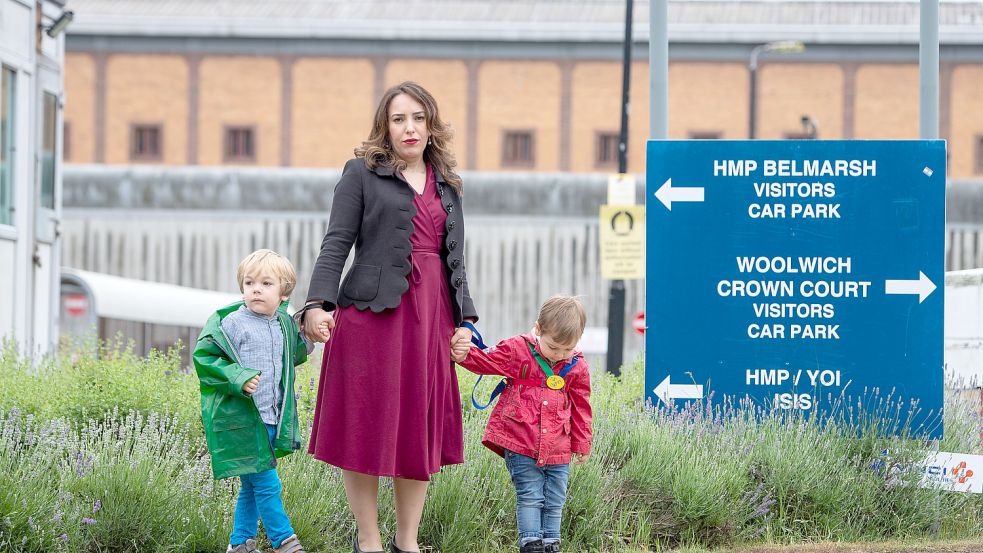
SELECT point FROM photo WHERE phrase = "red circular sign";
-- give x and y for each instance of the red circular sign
(639, 323)
(76, 304)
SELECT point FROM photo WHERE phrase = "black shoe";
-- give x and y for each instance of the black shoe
(553, 547)
(533, 547)
(394, 549)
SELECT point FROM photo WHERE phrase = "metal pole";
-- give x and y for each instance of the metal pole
(625, 90)
(928, 128)
(616, 301)
(752, 107)
(752, 111)
(928, 64)
(659, 69)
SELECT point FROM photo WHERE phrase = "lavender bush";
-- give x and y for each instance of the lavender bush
(106, 454)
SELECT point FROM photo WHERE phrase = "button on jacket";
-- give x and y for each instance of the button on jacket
(373, 210)
(539, 422)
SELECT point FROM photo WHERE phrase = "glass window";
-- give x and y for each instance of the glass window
(979, 155)
(240, 145)
(145, 142)
(49, 141)
(705, 135)
(7, 88)
(66, 141)
(518, 149)
(606, 154)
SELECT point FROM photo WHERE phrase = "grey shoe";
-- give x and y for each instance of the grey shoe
(535, 546)
(552, 547)
(291, 545)
(248, 547)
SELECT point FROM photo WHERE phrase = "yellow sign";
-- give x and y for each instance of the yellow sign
(622, 239)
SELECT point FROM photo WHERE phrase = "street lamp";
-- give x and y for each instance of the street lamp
(59, 24)
(777, 47)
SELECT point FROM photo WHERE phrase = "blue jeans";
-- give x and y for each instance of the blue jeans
(540, 493)
(259, 498)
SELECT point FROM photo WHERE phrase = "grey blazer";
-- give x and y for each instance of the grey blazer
(373, 210)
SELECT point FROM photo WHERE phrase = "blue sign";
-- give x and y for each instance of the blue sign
(798, 274)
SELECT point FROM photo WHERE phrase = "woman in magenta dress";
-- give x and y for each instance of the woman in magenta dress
(388, 402)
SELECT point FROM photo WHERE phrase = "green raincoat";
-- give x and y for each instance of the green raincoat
(236, 436)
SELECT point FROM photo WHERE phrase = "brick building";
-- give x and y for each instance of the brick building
(527, 85)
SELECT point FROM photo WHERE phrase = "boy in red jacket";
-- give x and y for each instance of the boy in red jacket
(543, 416)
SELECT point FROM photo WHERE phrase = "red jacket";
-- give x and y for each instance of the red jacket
(545, 424)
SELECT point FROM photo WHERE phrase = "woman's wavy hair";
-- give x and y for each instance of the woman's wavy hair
(377, 151)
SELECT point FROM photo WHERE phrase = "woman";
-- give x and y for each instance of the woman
(388, 402)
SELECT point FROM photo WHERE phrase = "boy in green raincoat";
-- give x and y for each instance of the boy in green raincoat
(245, 359)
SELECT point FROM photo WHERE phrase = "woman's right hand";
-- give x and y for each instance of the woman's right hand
(318, 325)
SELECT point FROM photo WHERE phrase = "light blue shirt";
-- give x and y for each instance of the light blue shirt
(258, 342)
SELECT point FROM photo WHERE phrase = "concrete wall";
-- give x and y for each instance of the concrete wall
(529, 235)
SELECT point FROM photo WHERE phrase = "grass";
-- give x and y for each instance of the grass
(105, 453)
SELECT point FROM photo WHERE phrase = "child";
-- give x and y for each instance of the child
(542, 417)
(245, 360)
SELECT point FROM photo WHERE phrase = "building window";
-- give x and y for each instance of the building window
(8, 82)
(240, 145)
(145, 142)
(978, 154)
(66, 141)
(705, 135)
(518, 149)
(49, 149)
(606, 152)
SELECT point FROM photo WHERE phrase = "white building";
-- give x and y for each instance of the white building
(32, 46)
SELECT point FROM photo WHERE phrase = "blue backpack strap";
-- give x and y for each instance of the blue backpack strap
(568, 366)
(478, 341)
(494, 395)
(475, 335)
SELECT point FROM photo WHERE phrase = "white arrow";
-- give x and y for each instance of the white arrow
(923, 286)
(666, 391)
(667, 194)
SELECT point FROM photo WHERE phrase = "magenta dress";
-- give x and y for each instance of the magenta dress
(388, 403)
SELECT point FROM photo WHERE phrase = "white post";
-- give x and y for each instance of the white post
(928, 64)
(659, 69)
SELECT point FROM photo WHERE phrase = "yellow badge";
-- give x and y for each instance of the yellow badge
(555, 382)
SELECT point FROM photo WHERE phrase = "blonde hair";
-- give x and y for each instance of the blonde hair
(562, 318)
(269, 260)
(376, 150)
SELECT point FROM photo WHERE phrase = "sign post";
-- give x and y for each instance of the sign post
(797, 274)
